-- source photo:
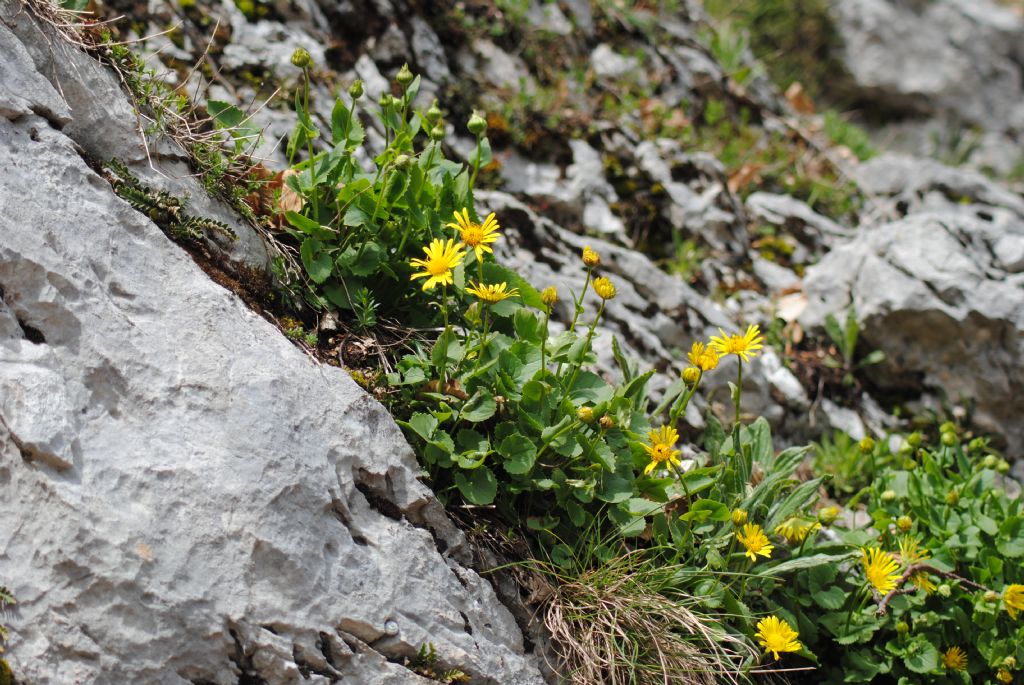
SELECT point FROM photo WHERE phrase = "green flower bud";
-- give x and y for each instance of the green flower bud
(585, 414)
(888, 495)
(902, 628)
(991, 596)
(990, 461)
(976, 445)
(386, 100)
(477, 125)
(434, 113)
(945, 590)
(828, 515)
(947, 427)
(1003, 466)
(437, 133)
(302, 59)
(949, 439)
(355, 91)
(906, 448)
(403, 161)
(404, 76)
(1010, 662)
(904, 523)
(915, 439)
(607, 422)
(952, 498)
(738, 516)
(866, 445)
(909, 464)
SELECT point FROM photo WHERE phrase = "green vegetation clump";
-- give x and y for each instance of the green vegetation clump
(6, 600)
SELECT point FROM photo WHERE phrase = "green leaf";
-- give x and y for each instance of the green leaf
(318, 263)
(706, 509)
(831, 599)
(480, 407)
(590, 387)
(422, 424)
(479, 488)
(364, 260)
(809, 561)
(495, 273)
(527, 326)
(921, 656)
(520, 453)
(309, 226)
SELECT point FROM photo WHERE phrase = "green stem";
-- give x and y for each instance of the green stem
(444, 359)
(476, 162)
(590, 337)
(309, 145)
(483, 339)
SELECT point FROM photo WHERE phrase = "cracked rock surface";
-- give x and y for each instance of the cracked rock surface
(185, 496)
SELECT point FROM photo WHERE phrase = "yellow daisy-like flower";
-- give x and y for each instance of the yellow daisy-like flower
(591, 258)
(704, 358)
(796, 529)
(910, 551)
(922, 581)
(880, 568)
(955, 659)
(1013, 598)
(492, 293)
(604, 288)
(476, 236)
(743, 346)
(756, 542)
(1004, 676)
(442, 257)
(776, 635)
(660, 450)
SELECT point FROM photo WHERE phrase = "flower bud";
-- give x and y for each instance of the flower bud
(866, 445)
(437, 133)
(944, 590)
(691, 375)
(990, 461)
(549, 295)
(738, 516)
(909, 464)
(902, 628)
(976, 445)
(585, 414)
(949, 439)
(888, 495)
(403, 161)
(947, 427)
(301, 58)
(1010, 662)
(404, 76)
(477, 125)
(1004, 676)
(604, 288)
(1003, 466)
(828, 515)
(915, 439)
(904, 523)
(355, 91)
(952, 498)
(906, 449)
(434, 113)
(607, 422)
(591, 258)
(991, 596)
(385, 100)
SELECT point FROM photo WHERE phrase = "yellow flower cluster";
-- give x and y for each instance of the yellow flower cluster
(441, 257)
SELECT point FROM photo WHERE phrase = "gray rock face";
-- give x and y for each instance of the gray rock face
(940, 290)
(186, 496)
(963, 57)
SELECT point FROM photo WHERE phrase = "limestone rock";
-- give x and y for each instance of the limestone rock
(186, 496)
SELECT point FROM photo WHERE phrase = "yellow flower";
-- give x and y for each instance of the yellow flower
(880, 568)
(549, 295)
(704, 358)
(776, 635)
(756, 542)
(585, 414)
(922, 581)
(591, 258)
(955, 659)
(476, 236)
(738, 516)
(1013, 597)
(442, 257)
(660, 450)
(743, 346)
(690, 375)
(1004, 676)
(491, 293)
(604, 288)
(910, 553)
(796, 529)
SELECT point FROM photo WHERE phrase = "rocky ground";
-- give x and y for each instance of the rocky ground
(195, 499)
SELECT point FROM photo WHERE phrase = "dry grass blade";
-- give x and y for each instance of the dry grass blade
(621, 624)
